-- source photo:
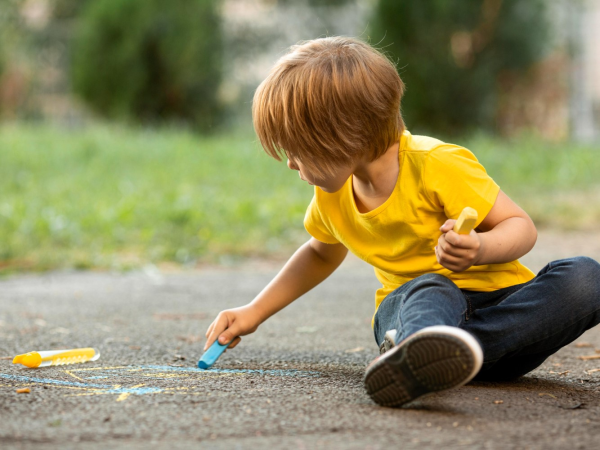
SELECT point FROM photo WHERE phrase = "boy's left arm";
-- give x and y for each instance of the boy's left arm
(506, 234)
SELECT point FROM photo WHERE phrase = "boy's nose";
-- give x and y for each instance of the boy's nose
(291, 165)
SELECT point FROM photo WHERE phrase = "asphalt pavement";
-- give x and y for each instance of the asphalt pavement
(295, 383)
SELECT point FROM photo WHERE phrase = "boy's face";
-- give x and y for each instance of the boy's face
(329, 184)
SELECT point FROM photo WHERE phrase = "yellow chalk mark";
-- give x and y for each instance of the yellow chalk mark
(90, 391)
(123, 396)
(166, 375)
(68, 372)
(99, 368)
(87, 394)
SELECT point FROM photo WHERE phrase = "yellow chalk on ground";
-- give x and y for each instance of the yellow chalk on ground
(56, 357)
(466, 221)
(23, 391)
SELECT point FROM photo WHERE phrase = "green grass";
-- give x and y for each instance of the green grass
(117, 197)
(558, 184)
(110, 196)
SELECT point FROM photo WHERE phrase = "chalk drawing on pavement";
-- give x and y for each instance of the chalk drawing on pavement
(158, 379)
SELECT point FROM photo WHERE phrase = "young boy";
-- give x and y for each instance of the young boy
(451, 307)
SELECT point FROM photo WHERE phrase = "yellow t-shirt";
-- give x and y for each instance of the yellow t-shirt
(436, 181)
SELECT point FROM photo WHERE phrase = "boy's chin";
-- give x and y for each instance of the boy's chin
(330, 189)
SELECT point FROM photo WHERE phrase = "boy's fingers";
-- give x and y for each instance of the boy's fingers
(459, 240)
(235, 342)
(452, 263)
(221, 323)
(452, 238)
(450, 260)
(446, 246)
(229, 335)
(449, 249)
(445, 249)
(209, 330)
(448, 225)
(445, 258)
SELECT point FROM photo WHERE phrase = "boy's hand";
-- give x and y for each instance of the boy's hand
(231, 324)
(457, 252)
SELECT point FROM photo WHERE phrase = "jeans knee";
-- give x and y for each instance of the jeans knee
(588, 267)
(585, 271)
(583, 280)
(434, 279)
(424, 282)
(590, 276)
(433, 285)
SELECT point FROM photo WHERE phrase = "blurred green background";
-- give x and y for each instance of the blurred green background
(125, 129)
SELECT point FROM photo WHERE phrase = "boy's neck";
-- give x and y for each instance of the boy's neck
(373, 182)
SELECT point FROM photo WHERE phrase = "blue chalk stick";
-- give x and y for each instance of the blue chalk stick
(211, 355)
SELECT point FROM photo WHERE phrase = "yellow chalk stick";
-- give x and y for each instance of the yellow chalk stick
(56, 357)
(466, 221)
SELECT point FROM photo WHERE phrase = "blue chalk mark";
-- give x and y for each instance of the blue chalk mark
(51, 381)
(211, 355)
(273, 372)
(106, 389)
(129, 371)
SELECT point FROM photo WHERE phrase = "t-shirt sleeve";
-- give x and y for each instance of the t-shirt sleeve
(454, 179)
(313, 222)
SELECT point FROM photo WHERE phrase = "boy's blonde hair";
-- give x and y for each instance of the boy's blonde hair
(329, 102)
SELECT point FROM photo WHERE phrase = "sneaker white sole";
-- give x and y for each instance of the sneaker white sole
(434, 359)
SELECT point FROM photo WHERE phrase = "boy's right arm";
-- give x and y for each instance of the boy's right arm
(312, 263)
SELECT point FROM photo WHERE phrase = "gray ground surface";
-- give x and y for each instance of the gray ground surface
(296, 383)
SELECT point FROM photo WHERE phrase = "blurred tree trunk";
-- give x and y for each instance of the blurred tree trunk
(450, 55)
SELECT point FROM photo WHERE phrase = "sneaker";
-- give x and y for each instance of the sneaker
(433, 359)
(389, 341)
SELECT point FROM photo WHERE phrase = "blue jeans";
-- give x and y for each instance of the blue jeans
(518, 327)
